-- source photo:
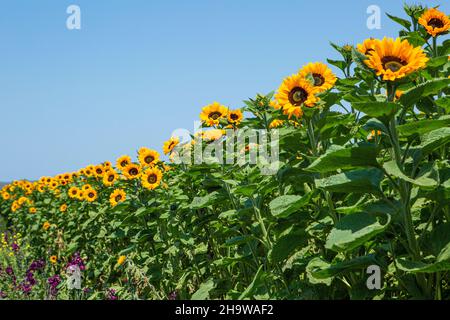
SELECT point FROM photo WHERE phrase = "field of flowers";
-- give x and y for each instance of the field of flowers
(363, 180)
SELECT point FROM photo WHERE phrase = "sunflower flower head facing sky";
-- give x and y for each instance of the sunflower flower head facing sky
(123, 161)
(234, 116)
(211, 114)
(117, 196)
(322, 76)
(170, 144)
(148, 157)
(367, 46)
(294, 92)
(395, 59)
(435, 22)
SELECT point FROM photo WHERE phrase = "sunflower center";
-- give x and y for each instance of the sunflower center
(215, 115)
(152, 178)
(318, 79)
(392, 63)
(234, 116)
(99, 171)
(297, 96)
(133, 171)
(435, 23)
(111, 178)
(118, 198)
(124, 163)
(91, 195)
(149, 159)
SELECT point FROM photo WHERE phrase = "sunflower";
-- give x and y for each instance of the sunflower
(86, 187)
(80, 195)
(294, 92)
(53, 259)
(435, 22)
(117, 196)
(46, 225)
(322, 76)
(73, 192)
(107, 165)
(212, 135)
(148, 157)
(110, 177)
(367, 47)
(274, 104)
(63, 208)
(395, 59)
(211, 114)
(170, 144)
(32, 210)
(276, 123)
(235, 116)
(151, 178)
(132, 171)
(90, 195)
(123, 161)
(6, 195)
(99, 171)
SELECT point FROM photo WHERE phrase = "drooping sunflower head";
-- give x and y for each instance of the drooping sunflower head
(294, 92)
(367, 47)
(132, 171)
(170, 144)
(435, 22)
(90, 195)
(322, 76)
(151, 178)
(211, 114)
(148, 157)
(110, 177)
(117, 196)
(395, 59)
(123, 161)
(235, 116)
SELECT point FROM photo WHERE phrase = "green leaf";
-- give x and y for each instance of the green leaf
(437, 61)
(202, 202)
(442, 263)
(423, 126)
(257, 280)
(377, 109)
(284, 206)
(392, 169)
(327, 270)
(338, 157)
(338, 63)
(235, 241)
(354, 230)
(203, 292)
(358, 181)
(432, 141)
(286, 244)
(314, 265)
(416, 93)
(403, 22)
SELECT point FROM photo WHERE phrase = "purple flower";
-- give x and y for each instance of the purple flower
(2, 295)
(111, 294)
(77, 261)
(54, 281)
(9, 271)
(173, 295)
(37, 265)
(26, 288)
(15, 247)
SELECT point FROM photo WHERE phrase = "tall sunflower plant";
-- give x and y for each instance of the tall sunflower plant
(363, 181)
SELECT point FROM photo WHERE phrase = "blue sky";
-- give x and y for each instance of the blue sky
(139, 69)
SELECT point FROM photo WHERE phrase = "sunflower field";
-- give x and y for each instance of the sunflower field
(363, 183)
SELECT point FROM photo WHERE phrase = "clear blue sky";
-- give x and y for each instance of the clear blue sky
(139, 69)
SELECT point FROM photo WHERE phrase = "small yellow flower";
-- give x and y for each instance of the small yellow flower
(32, 210)
(121, 260)
(63, 208)
(53, 259)
(46, 225)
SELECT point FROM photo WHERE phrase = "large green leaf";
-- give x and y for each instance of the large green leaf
(377, 109)
(338, 157)
(202, 202)
(416, 93)
(283, 206)
(432, 141)
(392, 168)
(203, 291)
(354, 230)
(286, 244)
(423, 126)
(327, 270)
(358, 181)
(442, 263)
